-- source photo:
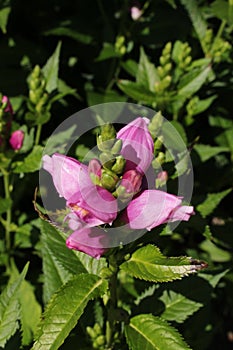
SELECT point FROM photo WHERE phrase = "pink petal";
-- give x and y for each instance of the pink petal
(8, 107)
(138, 145)
(66, 173)
(88, 240)
(152, 208)
(94, 205)
(16, 139)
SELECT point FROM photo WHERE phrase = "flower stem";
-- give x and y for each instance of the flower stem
(8, 212)
(38, 132)
(112, 305)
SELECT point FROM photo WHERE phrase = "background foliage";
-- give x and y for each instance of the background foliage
(176, 58)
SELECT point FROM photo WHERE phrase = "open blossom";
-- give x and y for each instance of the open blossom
(94, 194)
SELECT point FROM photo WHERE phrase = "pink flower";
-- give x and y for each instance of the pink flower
(138, 145)
(8, 108)
(130, 184)
(92, 205)
(135, 13)
(16, 139)
(152, 208)
(88, 240)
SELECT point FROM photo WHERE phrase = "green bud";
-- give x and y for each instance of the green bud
(107, 160)
(97, 329)
(91, 332)
(108, 132)
(160, 158)
(36, 72)
(160, 71)
(158, 144)
(167, 67)
(117, 146)
(155, 124)
(109, 180)
(167, 48)
(33, 97)
(119, 165)
(104, 145)
(100, 340)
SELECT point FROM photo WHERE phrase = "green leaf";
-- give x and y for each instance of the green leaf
(152, 333)
(60, 139)
(5, 204)
(146, 73)
(4, 14)
(196, 17)
(211, 202)
(193, 81)
(149, 264)
(30, 163)
(95, 98)
(131, 67)
(178, 307)
(216, 254)
(65, 308)
(206, 152)
(202, 105)
(59, 263)
(107, 51)
(29, 307)
(10, 309)
(137, 92)
(50, 70)
(70, 33)
(213, 279)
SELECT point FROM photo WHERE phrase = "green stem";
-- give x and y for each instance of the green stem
(8, 212)
(112, 305)
(38, 133)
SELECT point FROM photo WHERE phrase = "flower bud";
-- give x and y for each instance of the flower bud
(161, 179)
(135, 13)
(109, 180)
(116, 147)
(119, 165)
(94, 170)
(16, 139)
(130, 184)
(107, 160)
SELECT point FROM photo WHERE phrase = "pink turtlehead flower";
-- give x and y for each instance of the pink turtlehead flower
(138, 145)
(8, 108)
(88, 240)
(92, 205)
(16, 140)
(152, 208)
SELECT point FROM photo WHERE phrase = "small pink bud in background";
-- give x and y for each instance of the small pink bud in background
(135, 13)
(8, 108)
(16, 139)
(94, 170)
(161, 179)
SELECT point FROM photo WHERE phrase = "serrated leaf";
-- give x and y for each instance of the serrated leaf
(206, 152)
(137, 92)
(59, 262)
(31, 162)
(152, 333)
(177, 307)
(10, 309)
(211, 202)
(65, 308)
(149, 264)
(146, 73)
(193, 81)
(50, 70)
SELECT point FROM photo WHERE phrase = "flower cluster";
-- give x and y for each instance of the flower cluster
(113, 189)
(14, 138)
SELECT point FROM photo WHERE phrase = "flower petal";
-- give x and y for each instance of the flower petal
(66, 173)
(152, 208)
(16, 139)
(94, 205)
(138, 145)
(88, 240)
